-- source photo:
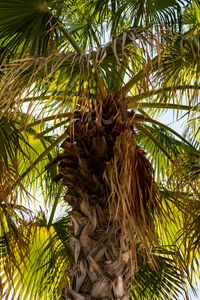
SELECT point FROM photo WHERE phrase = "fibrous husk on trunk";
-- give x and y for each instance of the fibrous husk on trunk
(111, 191)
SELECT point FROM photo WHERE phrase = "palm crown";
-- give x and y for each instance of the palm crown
(96, 76)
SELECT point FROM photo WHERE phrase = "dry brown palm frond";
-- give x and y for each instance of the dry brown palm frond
(19, 79)
(187, 166)
(133, 195)
(76, 75)
(15, 225)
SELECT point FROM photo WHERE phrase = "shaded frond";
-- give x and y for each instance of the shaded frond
(44, 272)
(167, 282)
(31, 27)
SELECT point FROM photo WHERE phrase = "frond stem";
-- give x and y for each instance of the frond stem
(69, 37)
(148, 133)
(165, 105)
(169, 129)
(55, 206)
(49, 118)
(159, 91)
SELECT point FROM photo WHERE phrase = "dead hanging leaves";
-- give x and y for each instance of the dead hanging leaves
(133, 198)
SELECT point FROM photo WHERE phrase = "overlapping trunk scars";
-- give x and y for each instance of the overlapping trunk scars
(100, 270)
(104, 260)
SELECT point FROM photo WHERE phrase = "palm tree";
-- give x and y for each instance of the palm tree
(104, 71)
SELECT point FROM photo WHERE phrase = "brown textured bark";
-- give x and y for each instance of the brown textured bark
(102, 249)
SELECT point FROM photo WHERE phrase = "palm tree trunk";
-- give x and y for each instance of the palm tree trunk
(106, 206)
(101, 271)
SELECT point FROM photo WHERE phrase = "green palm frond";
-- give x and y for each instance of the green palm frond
(31, 27)
(180, 64)
(156, 102)
(187, 166)
(13, 243)
(27, 25)
(191, 16)
(49, 260)
(187, 233)
(148, 13)
(167, 282)
(11, 141)
(160, 161)
(122, 14)
(12, 216)
(25, 151)
(44, 271)
(192, 130)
